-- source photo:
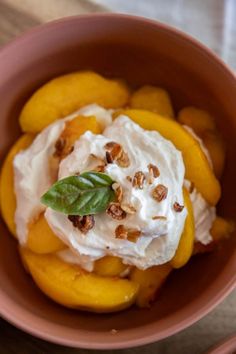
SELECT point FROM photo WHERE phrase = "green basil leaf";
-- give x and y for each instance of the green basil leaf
(88, 193)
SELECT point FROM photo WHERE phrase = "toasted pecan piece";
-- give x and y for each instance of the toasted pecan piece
(129, 234)
(118, 191)
(114, 210)
(177, 207)
(115, 153)
(138, 180)
(153, 172)
(160, 192)
(83, 223)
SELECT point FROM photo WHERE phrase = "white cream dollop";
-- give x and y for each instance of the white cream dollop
(34, 174)
(159, 238)
(34, 171)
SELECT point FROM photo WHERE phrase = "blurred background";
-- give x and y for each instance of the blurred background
(211, 21)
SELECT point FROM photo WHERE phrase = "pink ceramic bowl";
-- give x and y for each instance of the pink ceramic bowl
(140, 51)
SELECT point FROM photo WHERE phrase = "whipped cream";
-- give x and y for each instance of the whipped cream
(35, 171)
(34, 174)
(159, 238)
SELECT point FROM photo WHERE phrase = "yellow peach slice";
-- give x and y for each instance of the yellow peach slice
(149, 281)
(197, 168)
(109, 266)
(65, 94)
(41, 238)
(221, 228)
(7, 195)
(74, 129)
(204, 126)
(73, 287)
(152, 98)
(185, 247)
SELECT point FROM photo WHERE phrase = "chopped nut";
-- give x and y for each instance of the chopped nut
(123, 160)
(128, 208)
(159, 193)
(138, 180)
(109, 157)
(115, 153)
(159, 217)
(177, 207)
(121, 232)
(109, 146)
(133, 235)
(115, 211)
(83, 223)
(153, 172)
(118, 191)
(128, 234)
(129, 178)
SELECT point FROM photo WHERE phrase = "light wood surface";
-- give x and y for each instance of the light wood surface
(211, 21)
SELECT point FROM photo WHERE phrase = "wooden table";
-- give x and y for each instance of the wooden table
(211, 21)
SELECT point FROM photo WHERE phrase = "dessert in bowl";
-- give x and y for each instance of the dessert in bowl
(110, 189)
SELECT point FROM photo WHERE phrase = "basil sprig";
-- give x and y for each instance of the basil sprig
(88, 193)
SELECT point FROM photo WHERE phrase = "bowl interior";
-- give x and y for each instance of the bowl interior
(140, 52)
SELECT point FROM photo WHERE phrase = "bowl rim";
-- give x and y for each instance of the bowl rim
(225, 346)
(9, 307)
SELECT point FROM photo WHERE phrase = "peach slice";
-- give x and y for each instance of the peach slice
(149, 281)
(197, 168)
(221, 229)
(7, 195)
(73, 287)
(74, 129)
(153, 99)
(204, 126)
(109, 266)
(41, 238)
(65, 94)
(185, 247)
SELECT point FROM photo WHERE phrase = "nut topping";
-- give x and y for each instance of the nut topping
(128, 208)
(129, 178)
(153, 172)
(138, 180)
(159, 217)
(109, 146)
(159, 193)
(115, 153)
(118, 191)
(115, 211)
(127, 234)
(121, 232)
(83, 223)
(109, 157)
(177, 207)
